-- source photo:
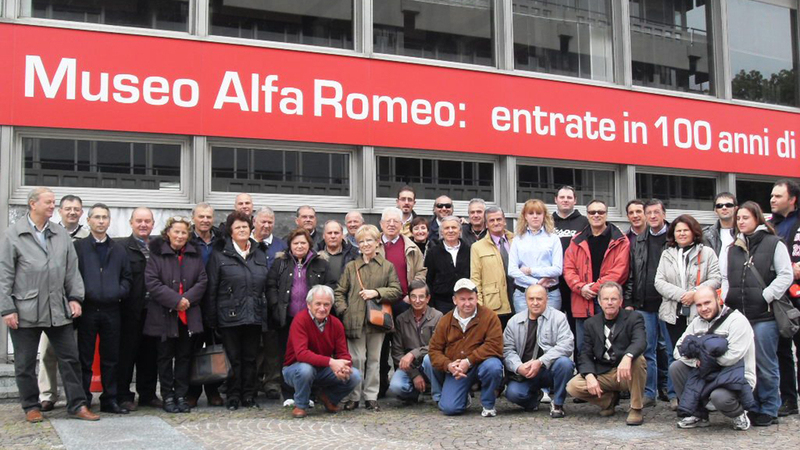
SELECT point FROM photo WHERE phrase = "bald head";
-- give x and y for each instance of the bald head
(244, 204)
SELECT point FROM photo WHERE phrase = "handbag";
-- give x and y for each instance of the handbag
(786, 315)
(210, 364)
(378, 314)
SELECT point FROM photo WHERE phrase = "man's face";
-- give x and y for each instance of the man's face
(451, 231)
(496, 223)
(707, 305)
(780, 202)
(475, 212)
(320, 306)
(307, 219)
(655, 217)
(406, 202)
(610, 302)
(264, 224)
(142, 223)
(725, 208)
(391, 226)
(419, 299)
(636, 215)
(99, 221)
(244, 204)
(332, 234)
(466, 302)
(597, 213)
(203, 219)
(70, 212)
(443, 207)
(536, 297)
(353, 221)
(44, 206)
(565, 201)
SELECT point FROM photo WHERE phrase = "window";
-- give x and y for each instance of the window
(757, 191)
(327, 23)
(542, 182)
(672, 45)
(112, 164)
(430, 178)
(763, 52)
(447, 30)
(278, 171)
(677, 192)
(565, 37)
(158, 14)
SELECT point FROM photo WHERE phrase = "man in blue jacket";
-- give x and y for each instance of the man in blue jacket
(106, 275)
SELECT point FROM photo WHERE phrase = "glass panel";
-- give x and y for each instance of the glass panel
(543, 182)
(677, 192)
(460, 180)
(757, 191)
(327, 23)
(671, 45)
(447, 30)
(763, 52)
(565, 37)
(104, 164)
(158, 14)
(263, 171)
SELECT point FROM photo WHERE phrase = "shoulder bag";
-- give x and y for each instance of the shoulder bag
(786, 315)
(378, 314)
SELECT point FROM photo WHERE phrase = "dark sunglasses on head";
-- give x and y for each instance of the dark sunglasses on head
(444, 205)
(596, 212)
(725, 205)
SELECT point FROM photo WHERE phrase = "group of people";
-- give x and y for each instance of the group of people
(564, 304)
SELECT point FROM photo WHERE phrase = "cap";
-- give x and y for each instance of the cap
(464, 283)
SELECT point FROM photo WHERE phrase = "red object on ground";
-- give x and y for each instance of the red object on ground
(97, 385)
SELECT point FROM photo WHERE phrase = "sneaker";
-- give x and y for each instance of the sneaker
(488, 412)
(545, 398)
(762, 420)
(556, 411)
(288, 403)
(693, 422)
(786, 409)
(741, 423)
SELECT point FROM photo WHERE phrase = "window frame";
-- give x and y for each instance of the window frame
(702, 216)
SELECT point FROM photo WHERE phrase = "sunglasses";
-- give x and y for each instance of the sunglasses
(596, 212)
(724, 205)
(183, 219)
(444, 205)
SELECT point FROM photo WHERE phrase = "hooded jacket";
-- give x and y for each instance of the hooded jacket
(675, 277)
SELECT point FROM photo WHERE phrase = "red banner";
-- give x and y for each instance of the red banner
(102, 81)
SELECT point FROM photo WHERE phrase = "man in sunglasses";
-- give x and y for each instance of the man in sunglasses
(720, 234)
(442, 207)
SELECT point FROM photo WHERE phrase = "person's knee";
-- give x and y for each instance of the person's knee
(491, 368)
(563, 366)
(573, 387)
(724, 400)
(515, 392)
(450, 408)
(355, 378)
(304, 372)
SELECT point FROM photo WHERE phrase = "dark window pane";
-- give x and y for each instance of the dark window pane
(565, 37)
(103, 164)
(763, 52)
(327, 23)
(672, 45)
(677, 192)
(158, 14)
(543, 182)
(460, 180)
(263, 171)
(459, 31)
(757, 191)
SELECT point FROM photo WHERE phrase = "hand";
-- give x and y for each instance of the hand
(586, 291)
(369, 294)
(593, 386)
(76, 309)
(525, 369)
(796, 268)
(419, 383)
(624, 369)
(463, 366)
(344, 374)
(183, 305)
(338, 365)
(687, 299)
(455, 369)
(405, 361)
(11, 320)
(525, 270)
(536, 366)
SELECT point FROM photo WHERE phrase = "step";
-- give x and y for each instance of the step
(9, 392)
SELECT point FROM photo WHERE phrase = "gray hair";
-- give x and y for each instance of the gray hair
(317, 289)
(143, 208)
(391, 210)
(354, 213)
(265, 210)
(341, 228)
(492, 210)
(449, 219)
(35, 193)
(202, 205)
(477, 200)
(611, 285)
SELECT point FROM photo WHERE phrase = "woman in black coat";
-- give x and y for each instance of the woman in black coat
(442, 273)
(176, 280)
(236, 305)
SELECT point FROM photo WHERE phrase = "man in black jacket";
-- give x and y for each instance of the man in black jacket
(568, 222)
(611, 356)
(107, 278)
(136, 349)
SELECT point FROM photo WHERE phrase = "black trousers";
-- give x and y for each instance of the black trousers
(241, 346)
(789, 376)
(212, 389)
(174, 363)
(103, 323)
(676, 331)
(26, 346)
(287, 391)
(269, 361)
(140, 351)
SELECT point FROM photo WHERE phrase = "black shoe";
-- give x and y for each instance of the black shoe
(578, 400)
(170, 406)
(786, 409)
(250, 403)
(625, 395)
(183, 405)
(114, 408)
(232, 404)
(762, 420)
(663, 394)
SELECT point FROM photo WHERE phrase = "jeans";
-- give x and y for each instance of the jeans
(453, 399)
(302, 377)
(553, 300)
(402, 386)
(767, 374)
(436, 382)
(524, 393)
(656, 331)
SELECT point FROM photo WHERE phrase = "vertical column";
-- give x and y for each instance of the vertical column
(364, 176)
(627, 186)
(504, 34)
(726, 182)
(200, 18)
(506, 192)
(620, 12)
(722, 61)
(6, 147)
(362, 26)
(199, 164)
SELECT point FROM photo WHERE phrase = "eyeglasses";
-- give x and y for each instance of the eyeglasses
(596, 212)
(444, 205)
(724, 205)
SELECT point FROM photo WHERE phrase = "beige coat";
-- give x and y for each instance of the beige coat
(415, 267)
(378, 274)
(489, 274)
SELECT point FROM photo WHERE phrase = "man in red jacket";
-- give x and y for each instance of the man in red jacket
(317, 355)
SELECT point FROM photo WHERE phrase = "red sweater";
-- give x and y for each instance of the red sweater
(306, 343)
(396, 254)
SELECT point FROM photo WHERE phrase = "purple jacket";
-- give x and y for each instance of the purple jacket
(163, 277)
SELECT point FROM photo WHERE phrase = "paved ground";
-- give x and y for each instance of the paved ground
(417, 427)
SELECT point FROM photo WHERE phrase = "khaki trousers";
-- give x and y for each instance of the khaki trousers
(48, 371)
(366, 354)
(609, 385)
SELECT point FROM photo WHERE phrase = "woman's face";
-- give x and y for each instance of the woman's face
(746, 221)
(534, 219)
(420, 232)
(368, 245)
(178, 234)
(299, 247)
(240, 231)
(683, 235)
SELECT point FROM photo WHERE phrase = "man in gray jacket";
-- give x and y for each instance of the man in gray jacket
(41, 291)
(537, 346)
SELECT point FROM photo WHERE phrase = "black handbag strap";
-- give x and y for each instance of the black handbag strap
(758, 276)
(719, 321)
